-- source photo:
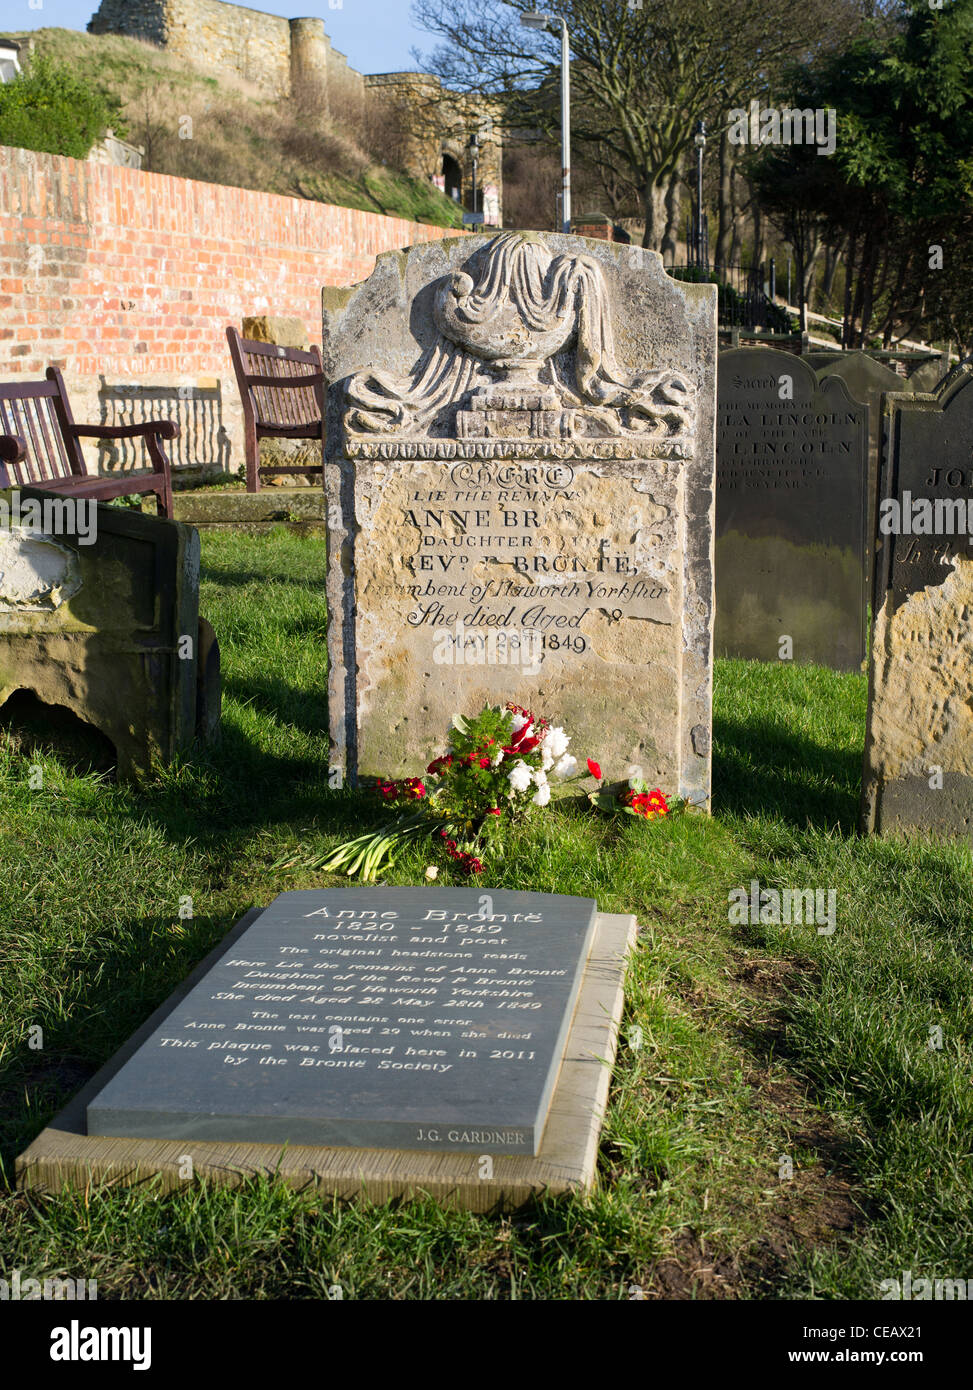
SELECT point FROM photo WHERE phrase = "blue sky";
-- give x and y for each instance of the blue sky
(376, 35)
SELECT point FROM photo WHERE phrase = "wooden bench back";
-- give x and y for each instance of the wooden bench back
(39, 412)
(261, 366)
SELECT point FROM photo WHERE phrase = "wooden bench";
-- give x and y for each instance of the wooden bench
(40, 446)
(282, 390)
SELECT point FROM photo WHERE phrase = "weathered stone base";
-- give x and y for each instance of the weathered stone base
(301, 508)
(63, 1154)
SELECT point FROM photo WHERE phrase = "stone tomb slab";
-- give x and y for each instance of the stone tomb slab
(369, 1018)
(63, 1153)
(790, 512)
(918, 768)
(519, 473)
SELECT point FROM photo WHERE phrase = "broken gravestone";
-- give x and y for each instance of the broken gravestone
(99, 623)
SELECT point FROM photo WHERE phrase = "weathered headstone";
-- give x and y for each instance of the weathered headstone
(790, 513)
(395, 1018)
(927, 376)
(99, 615)
(519, 473)
(918, 770)
(866, 380)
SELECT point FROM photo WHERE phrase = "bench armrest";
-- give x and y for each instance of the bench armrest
(12, 448)
(164, 429)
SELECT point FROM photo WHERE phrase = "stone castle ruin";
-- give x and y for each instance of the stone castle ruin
(287, 58)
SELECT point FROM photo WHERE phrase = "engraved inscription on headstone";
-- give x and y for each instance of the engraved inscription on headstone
(918, 769)
(520, 479)
(790, 513)
(402, 1018)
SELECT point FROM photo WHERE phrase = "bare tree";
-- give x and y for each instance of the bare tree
(642, 72)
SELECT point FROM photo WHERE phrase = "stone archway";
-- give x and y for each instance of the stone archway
(452, 177)
(37, 728)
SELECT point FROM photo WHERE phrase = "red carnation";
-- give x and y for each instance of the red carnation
(594, 769)
(484, 762)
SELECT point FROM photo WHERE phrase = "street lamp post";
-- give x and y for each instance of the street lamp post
(534, 19)
(474, 152)
(700, 142)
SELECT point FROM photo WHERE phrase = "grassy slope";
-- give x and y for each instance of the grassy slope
(757, 1042)
(238, 138)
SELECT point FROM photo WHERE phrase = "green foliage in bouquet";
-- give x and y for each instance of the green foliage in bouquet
(497, 767)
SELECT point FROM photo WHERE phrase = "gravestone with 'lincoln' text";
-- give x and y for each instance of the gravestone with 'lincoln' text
(519, 473)
(791, 464)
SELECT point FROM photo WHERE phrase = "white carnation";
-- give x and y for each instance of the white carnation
(519, 721)
(547, 759)
(556, 740)
(497, 758)
(540, 778)
(566, 767)
(519, 776)
(542, 796)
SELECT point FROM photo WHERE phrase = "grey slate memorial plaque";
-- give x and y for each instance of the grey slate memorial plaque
(918, 768)
(405, 1018)
(790, 512)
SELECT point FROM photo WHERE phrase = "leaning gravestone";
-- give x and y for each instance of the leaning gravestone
(790, 513)
(866, 380)
(519, 473)
(918, 770)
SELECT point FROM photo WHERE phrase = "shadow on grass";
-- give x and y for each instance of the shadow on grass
(103, 997)
(275, 697)
(261, 792)
(263, 573)
(759, 768)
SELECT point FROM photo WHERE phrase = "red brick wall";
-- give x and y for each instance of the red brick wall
(124, 278)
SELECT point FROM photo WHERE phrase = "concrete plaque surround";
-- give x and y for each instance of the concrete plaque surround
(63, 1153)
(374, 1018)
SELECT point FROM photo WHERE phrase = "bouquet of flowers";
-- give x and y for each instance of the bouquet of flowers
(496, 768)
(634, 799)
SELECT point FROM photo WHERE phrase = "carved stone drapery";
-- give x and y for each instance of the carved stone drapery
(524, 352)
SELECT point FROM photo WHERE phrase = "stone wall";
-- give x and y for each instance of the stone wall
(287, 56)
(219, 37)
(127, 281)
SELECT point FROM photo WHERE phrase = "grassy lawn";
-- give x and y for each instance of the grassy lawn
(758, 1043)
